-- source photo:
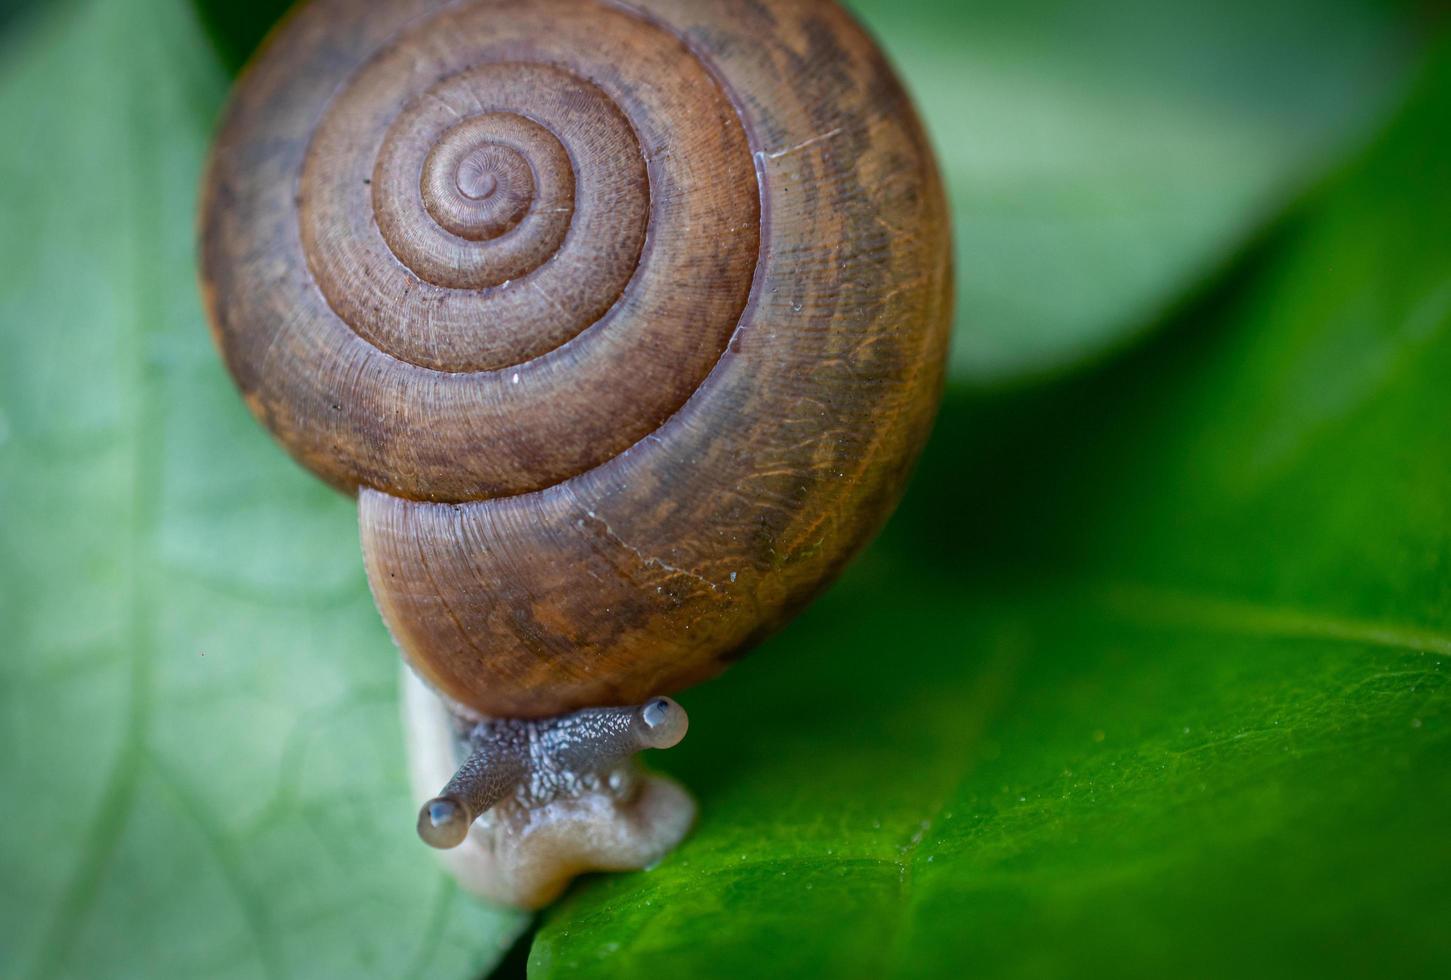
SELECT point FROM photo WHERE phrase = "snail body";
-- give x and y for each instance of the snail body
(624, 323)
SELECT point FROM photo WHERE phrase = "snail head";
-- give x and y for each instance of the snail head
(535, 762)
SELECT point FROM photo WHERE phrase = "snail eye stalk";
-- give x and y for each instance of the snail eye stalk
(535, 762)
(489, 774)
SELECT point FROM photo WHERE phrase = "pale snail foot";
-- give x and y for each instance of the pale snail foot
(537, 803)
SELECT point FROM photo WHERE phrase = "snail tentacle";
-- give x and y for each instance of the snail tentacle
(490, 773)
(567, 794)
(539, 761)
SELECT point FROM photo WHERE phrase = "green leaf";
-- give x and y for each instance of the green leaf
(237, 28)
(1104, 158)
(203, 774)
(1148, 678)
(1156, 653)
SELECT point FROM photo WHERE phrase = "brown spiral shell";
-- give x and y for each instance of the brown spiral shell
(623, 320)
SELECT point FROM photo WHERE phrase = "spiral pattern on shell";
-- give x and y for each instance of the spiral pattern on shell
(624, 319)
(512, 207)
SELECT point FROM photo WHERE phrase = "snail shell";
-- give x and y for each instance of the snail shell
(624, 321)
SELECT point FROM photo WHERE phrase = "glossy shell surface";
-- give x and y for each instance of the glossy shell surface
(624, 321)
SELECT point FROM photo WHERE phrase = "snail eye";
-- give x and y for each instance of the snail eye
(656, 713)
(663, 723)
(443, 822)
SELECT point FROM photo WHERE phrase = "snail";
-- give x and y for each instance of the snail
(623, 321)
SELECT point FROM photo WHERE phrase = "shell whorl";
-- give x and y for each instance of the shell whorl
(507, 211)
(624, 320)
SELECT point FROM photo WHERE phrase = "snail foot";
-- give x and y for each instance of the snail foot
(534, 803)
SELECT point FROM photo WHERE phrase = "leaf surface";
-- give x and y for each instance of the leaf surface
(1147, 675)
(203, 772)
(1104, 159)
(1147, 678)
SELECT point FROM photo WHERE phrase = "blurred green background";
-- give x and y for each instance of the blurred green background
(1147, 677)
